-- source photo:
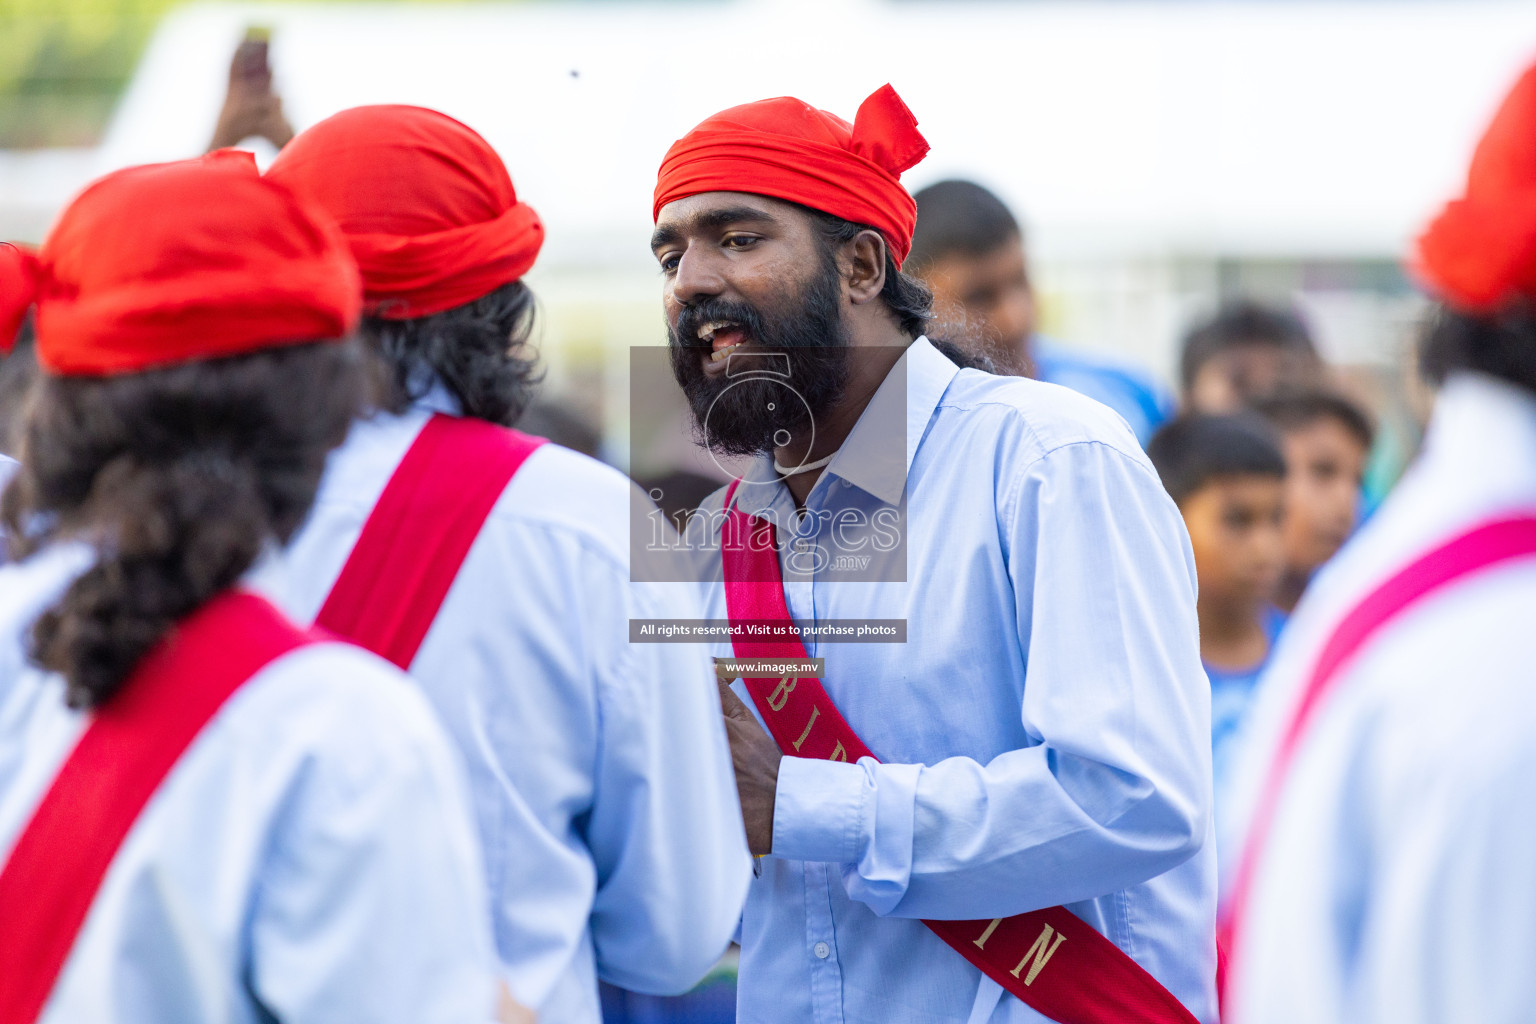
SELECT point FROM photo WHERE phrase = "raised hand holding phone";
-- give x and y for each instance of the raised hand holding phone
(251, 108)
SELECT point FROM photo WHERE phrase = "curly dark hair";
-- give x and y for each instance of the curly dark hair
(481, 351)
(178, 477)
(1501, 344)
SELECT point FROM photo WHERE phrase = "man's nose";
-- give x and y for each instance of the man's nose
(697, 277)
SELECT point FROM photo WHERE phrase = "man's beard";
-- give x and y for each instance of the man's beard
(752, 408)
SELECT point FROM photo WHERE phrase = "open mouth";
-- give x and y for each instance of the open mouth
(723, 337)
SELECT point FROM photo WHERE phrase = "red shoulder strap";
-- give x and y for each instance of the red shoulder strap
(1482, 547)
(56, 866)
(420, 532)
(1052, 960)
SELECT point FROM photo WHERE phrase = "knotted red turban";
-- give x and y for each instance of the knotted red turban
(169, 263)
(1480, 252)
(426, 204)
(787, 149)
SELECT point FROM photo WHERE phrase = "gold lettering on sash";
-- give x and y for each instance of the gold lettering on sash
(815, 711)
(981, 943)
(1042, 950)
(838, 753)
(780, 695)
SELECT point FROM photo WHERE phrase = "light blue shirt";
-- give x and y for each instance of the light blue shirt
(1130, 391)
(1232, 693)
(1045, 728)
(601, 779)
(310, 859)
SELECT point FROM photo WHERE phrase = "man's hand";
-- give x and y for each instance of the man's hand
(509, 1010)
(756, 758)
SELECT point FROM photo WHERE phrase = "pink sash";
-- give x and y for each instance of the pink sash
(1482, 547)
(56, 867)
(419, 533)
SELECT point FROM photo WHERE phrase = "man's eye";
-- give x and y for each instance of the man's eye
(669, 263)
(740, 241)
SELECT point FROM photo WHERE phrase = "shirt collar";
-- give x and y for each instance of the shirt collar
(909, 395)
(438, 398)
(904, 402)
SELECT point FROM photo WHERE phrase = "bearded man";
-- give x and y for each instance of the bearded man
(1005, 816)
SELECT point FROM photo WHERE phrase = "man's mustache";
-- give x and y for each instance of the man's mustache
(686, 332)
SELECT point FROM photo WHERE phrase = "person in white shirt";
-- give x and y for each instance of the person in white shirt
(206, 813)
(1387, 841)
(601, 779)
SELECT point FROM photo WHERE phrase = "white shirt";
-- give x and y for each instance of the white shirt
(1045, 728)
(1399, 882)
(601, 780)
(310, 858)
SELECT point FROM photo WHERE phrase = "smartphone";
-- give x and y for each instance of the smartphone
(250, 64)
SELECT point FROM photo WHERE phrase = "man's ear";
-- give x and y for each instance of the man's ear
(864, 267)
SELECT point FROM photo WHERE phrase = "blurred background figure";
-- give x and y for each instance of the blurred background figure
(252, 109)
(17, 368)
(1386, 874)
(1246, 351)
(969, 248)
(1326, 439)
(1227, 475)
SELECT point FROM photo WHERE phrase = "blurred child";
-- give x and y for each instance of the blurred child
(1326, 439)
(1246, 351)
(1227, 475)
(969, 248)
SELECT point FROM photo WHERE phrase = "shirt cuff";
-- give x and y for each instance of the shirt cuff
(819, 810)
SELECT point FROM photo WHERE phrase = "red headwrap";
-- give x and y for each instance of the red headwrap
(425, 202)
(169, 263)
(787, 149)
(1480, 252)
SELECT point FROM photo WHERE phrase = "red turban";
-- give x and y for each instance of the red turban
(425, 202)
(1480, 252)
(169, 263)
(787, 149)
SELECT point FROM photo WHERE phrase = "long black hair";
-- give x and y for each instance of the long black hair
(481, 351)
(179, 477)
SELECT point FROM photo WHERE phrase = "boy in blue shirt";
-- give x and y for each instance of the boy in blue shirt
(1227, 475)
(1326, 440)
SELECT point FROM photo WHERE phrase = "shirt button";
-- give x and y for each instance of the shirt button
(822, 951)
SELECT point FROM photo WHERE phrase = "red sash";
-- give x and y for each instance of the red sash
(53, 872)
(1482, 547)
(419, 533)
(1052, 960)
